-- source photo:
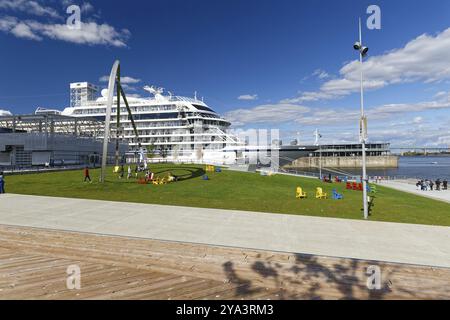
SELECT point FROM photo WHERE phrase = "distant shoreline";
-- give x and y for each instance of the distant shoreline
(426, 155)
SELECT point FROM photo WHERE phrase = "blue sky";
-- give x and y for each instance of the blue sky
(262, 64)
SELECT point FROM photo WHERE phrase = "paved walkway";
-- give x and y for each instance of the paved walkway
(410, 186)
(381, 241)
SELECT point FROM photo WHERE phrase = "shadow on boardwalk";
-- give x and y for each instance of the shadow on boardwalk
(315, 278)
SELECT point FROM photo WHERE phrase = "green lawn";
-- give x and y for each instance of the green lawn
(235, 190)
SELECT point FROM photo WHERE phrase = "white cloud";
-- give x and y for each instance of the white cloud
(442, 103)
(90, 33)
(267, 113)
(126, 80)
(128, 88)
(417, 120)
(425, 58)
(321, 74)
(442, 95)
(87, 7)
(22, 30)
(248, 97)
(299, 114)
(5, 113)
(29, 7)
(7, 23)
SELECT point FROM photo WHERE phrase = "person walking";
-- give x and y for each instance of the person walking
(129, 173)
(121, 171)
(444, 184)
(431, 185)
(87, 175)
(2, 183)
(438, 184)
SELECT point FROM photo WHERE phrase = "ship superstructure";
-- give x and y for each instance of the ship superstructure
(175, 126)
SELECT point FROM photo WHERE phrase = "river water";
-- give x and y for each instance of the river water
(424, 167)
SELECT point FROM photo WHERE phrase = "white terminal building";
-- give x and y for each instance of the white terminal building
(81, 93)
(179, 127)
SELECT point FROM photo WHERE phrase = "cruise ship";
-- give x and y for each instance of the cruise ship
(174, 127)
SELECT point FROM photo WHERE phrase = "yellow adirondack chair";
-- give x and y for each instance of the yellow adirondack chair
(320, 194)
(300, 194)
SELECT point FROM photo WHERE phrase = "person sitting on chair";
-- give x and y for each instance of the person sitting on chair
(171, 177)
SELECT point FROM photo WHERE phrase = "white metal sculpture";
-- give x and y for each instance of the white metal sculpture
(111, 84)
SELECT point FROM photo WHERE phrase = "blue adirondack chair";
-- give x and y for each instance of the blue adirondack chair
(337, 196)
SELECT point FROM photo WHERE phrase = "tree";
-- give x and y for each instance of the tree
(164, 152)
(150, 151)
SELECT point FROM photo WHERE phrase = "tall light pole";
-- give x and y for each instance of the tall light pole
(363, 121)
(318, 136)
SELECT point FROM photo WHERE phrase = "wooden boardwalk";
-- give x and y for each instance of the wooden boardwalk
(33, 264)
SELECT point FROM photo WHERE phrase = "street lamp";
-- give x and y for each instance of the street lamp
(318, 136)
(363, 121)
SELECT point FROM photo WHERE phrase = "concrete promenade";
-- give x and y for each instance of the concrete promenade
(381, 241)
(410, 187)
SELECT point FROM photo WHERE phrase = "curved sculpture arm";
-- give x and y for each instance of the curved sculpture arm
(112, 81)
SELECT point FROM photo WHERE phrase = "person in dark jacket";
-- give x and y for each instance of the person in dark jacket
(87, 175)
(438, 184)
(2, 183)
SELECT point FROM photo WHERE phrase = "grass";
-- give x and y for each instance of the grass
(235, 190)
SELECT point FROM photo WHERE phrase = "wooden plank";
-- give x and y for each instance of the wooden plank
(34, 262)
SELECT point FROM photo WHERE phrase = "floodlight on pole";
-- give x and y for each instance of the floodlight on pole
(363, 121)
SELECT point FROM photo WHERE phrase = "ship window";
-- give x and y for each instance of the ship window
(199, 107)
(171, 115)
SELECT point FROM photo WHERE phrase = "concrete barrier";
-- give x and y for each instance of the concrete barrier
(345, 162)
